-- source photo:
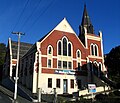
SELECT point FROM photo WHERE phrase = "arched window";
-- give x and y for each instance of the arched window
(78, 54)
(96, 50)
(64, 47)
(50, 49)
(59, 48)
(69, 49)
(92, 49)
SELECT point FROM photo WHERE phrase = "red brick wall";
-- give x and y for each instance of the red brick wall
(52, 40)
(54, 63)
(44, 62)
(95, 42)
(58, 35)
(49, 71)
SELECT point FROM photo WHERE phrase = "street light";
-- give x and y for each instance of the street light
(16, 77)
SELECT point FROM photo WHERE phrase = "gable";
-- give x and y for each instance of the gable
(64, 26)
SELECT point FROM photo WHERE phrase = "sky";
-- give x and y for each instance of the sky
(36, 18)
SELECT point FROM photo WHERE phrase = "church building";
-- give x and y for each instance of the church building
(62, 59)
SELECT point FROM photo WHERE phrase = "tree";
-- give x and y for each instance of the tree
(112, 62)
(2, 57)
(2, 53)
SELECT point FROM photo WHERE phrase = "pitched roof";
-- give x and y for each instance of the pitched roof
(24, 47)
(43, 37)
(62, 26)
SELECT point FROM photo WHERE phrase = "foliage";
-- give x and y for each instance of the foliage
(2, 53)
(112, 62)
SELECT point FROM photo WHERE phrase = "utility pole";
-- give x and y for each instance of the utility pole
(16, 77)
(39, 94)
(55, 96)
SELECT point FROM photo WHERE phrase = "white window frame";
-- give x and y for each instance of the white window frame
(48, 62)
(94, 45)
(49, 46)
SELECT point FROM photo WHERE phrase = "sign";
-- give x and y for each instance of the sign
(91, 88)
(69, 72)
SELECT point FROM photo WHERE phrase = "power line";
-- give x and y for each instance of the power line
(21, 14)
(28, 18)
(48, 6)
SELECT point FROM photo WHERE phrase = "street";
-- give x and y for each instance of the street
(5, 99)
(6, 96)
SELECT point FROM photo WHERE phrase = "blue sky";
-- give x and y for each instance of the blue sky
(38, 17)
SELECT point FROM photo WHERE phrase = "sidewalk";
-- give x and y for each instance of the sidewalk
(6, 96)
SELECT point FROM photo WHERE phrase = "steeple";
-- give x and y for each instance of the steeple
(86, 23)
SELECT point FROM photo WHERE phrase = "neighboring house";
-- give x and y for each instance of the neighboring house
(60, 59)
(9, 67)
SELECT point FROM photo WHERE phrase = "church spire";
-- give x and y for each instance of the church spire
(86, 23)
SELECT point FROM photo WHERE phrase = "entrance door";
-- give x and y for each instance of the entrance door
(65, 86)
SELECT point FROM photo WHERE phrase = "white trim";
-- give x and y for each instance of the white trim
(71, 49)
(68, 42)
(78, 58)
(101, 45)
(98, 57)
(94, 45)
(61, 57)
(86, 43)
(84, 60)
(51, 63)
(50, 56)
(64, 26)
(35, 75)
(50, 46)
(95, 62)
(64, 21)
(64, 37)
(58, 46)
(93, 38)
(91, 49)
(13, 64)
(9, 41)
(14, 59)
(40, 69)
(77, 53)
(67, 64)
